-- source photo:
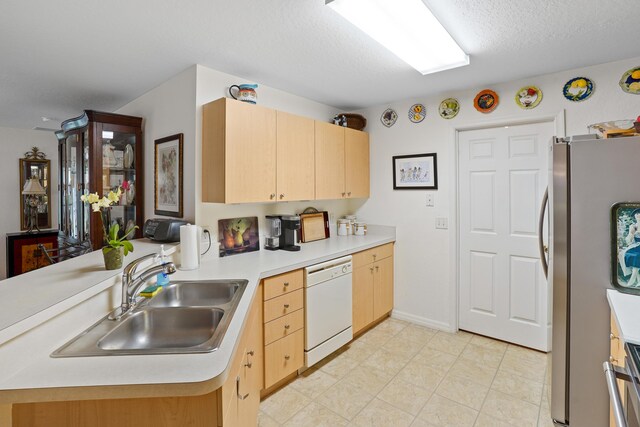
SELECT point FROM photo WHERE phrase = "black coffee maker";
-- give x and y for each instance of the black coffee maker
(290, 225)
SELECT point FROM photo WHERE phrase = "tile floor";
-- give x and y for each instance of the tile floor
(401, 374)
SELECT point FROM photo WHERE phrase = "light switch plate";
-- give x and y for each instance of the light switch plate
(430, 198)
(442, 223)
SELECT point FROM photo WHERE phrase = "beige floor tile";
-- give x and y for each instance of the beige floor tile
(421, 375)
(463, 391)
(377, 337)
(387, 362)
(339, 366)
(440, 411)
(525, 367)
(485, 420)
(313, 382)
(464, 335)
(526, 353)
(449, 343)
(392, 325)
(265, 420)
(488, 342)
(518, 387)
(360, 350)
(483, 355)
(381, 414)
(405, 396)
(435, 358)
(416, 333)
(476, 372)
(507, 408)
(283, 404)
(403, 347)
(316, 415)
(418, 422)
(345, 399)
(370, 380)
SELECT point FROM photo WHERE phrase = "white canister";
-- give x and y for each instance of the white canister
(361, 229)
(190, 247)
(352, 223)
(343, 227)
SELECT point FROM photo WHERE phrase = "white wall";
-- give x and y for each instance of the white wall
(15, 143)
(167, 110)
(212, 85)
(425, 287)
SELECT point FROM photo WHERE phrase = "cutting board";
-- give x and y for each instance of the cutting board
(315, 226)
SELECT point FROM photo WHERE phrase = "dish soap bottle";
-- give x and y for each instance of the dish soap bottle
(162, 279)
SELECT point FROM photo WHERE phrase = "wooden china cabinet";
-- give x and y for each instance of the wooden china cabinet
(99, 152)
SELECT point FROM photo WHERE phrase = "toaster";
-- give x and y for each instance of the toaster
(163, 229)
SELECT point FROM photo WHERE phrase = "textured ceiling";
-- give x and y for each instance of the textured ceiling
(60, 57)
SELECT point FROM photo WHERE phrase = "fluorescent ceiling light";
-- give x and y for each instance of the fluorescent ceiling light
(408, 29)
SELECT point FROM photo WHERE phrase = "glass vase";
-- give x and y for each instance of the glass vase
(113, 257)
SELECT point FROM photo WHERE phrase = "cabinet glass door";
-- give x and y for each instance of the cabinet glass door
(72, 210)
(119, 170)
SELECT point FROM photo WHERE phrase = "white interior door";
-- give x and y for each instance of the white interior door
(502, 178)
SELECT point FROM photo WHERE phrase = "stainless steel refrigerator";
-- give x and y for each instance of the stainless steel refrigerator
(587, 176)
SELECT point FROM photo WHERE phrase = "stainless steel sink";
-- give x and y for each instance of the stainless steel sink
(186, 317)
(164, 328)
(195, 294)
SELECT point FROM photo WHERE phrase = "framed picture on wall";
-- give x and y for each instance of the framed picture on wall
(625, 247)
(415, 172)
(168, 178)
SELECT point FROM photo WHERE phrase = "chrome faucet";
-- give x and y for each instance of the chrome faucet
(131, 286)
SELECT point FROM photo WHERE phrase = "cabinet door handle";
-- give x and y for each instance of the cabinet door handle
(248, 364)
(272, 196)
(287, 326)
(613, 359)
(286, 306)
(374, 256)
(286, 284)
(250, 353)
(371, 269)
(377, 268)
(613, 337)
(240, 396)
(281, 196)
(349, 193)
(343, 194)
(287, 357)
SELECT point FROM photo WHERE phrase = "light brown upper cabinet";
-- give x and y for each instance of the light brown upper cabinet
(342, 162)
(295, 151)
(238, 152)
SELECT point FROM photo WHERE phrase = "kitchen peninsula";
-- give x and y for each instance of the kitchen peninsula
(46, 308)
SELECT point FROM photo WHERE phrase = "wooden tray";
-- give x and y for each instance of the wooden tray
(315, 226)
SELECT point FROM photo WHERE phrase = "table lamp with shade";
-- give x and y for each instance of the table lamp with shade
(33, 192)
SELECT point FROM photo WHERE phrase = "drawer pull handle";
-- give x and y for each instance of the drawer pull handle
(613, 359)
(281, 196)
(248, 364)
(343, 194)
(613, 337)
(349, 193)
(272, 196)
(287, 357)
(286, 306)
(377, 268)
(286, 284)
(250, 353)
(240, 396)
(371, 269)
(287, 326)
(374, 256)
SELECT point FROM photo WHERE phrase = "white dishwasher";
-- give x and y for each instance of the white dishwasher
(328, 302)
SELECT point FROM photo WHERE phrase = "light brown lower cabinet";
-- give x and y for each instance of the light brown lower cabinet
(235, 404)
(372, 285)
(617, 357)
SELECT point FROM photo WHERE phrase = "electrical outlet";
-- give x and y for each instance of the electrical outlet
(332, 218)
(430, 198)
(442, 223)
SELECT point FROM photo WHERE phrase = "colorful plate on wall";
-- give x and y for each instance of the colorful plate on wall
(528, 97)
(417, 113)
(449, 108)
(578, 89)
(389, 117)
(486, 101)
(630, 81)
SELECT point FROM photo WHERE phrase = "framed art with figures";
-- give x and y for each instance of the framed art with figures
(415, 172)
(625, 246)
(168, 197)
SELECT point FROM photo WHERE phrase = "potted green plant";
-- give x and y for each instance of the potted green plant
(116, 248)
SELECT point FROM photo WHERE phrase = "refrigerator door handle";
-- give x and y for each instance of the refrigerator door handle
(614, 394)
(542, 247)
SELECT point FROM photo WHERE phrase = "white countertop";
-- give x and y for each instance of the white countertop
(41, 371)
(626, 312)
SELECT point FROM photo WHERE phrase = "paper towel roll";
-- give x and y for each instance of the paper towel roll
(189, 247)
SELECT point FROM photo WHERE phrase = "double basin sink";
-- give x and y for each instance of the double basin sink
(185, 317)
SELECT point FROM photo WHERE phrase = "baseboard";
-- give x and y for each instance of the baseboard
(422, 321)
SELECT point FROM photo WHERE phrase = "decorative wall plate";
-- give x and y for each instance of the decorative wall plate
(417, 113)
(528, 97)
(449, 108)
(630, 81)
(389, 117)
(578, 89)
(486, 101)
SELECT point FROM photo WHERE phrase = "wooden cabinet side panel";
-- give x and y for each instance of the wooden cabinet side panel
(383, 287)
(362, 297)
(329, 161)
(169, 411)
(357, 181)
(250, 153)
(295, 157)
(213, 142)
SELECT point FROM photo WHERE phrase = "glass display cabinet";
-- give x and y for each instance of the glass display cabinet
(99, 152)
